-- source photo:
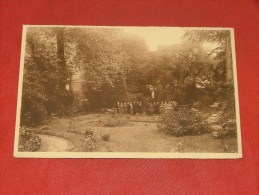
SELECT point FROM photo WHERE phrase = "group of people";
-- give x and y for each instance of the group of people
(143, 108)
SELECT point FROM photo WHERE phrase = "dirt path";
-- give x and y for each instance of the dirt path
(54, 144)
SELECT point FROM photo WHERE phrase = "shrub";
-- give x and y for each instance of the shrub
(28, 141)
(227, 119)
(117, 122)
(105, 137)
(89, 143)
(33, 114)
(89, 133)
(78, 132)
(182, 121)
(228, 130)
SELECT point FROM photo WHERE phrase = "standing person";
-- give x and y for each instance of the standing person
(118, 107)
(170, 105)
(128, 108)
(144, 108)
(158, 107)
(121, 109)
(152, 108)
(137, 107)
(148, 108)
(140, 108)
(165, 106)
(155, 108)
(134, 108)
(125, 108)
(174, 104)
(131, 108)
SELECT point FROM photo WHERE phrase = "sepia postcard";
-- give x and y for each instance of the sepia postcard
(127, 92)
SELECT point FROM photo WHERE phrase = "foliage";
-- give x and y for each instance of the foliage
(89, 143)
(227, 120)
(207, 35)
(222, 53)
(179, 72)
(117, 66)
(117, 122)
(109, 60)
(44, 77)
(28, 141)
(105, 137)
(182, 121)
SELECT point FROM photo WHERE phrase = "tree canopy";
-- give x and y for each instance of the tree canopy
(117, 66)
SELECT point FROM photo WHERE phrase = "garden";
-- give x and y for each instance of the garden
(108, 90)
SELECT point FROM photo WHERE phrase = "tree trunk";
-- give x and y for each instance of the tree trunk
(229, 63)
(70, 81)
(61, 57)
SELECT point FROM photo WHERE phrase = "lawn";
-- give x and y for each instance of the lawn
(133, 134)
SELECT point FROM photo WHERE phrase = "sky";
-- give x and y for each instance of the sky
(156, 36)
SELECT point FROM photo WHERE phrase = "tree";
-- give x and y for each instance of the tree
(96, 57)
(43, 82)
(220, 37)
(176, 70)
(59, 32)
(134, 52)
(108, 58)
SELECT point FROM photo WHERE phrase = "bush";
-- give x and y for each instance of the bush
(105, 137)
(117, 122)
(89, 143)
(36, 109)
(182, 121)
(28, 141)
(33, 114)
(227, 119)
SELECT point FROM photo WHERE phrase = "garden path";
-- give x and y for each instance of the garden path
(54, 144)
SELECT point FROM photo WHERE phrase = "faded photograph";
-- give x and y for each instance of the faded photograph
(127, 92)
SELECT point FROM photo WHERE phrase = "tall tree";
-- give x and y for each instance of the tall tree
(108, 57)
(44, 75)
(61, 56)
(220, 37)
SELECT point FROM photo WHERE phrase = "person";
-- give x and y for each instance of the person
(170, 106)
(131, 108)
(134, 108)
(128, 108)
(149, 108)
(157, 107)
(144, 108)
(121, 109)
(125, 108)
(166, 105)
(174, 104)
(118, 107)
(140, 108)
(137, 108)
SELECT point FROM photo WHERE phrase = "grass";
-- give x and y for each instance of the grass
(140, 135)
